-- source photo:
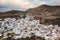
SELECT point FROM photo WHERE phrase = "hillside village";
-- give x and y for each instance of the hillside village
(49, 14)
(26, 28)
(40, 23)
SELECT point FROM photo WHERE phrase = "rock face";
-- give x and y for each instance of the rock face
(52, 10)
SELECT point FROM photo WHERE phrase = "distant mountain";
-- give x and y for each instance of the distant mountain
(42, 9)
(12, 13)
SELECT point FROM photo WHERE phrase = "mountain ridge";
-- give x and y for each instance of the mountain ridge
(42, 9)
(46, 8)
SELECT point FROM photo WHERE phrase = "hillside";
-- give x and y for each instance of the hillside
(45, 11)
(40, 10)
(52, 10)
(12, 13)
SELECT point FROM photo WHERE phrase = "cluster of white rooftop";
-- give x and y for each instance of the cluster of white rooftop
(24, 27)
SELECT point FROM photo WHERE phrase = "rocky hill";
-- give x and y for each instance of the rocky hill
(47, 12)
(42, 9)
(51, 14)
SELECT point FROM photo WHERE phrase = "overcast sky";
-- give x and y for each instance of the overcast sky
(6, 5)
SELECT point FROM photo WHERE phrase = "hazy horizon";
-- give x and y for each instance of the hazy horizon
(6, 5)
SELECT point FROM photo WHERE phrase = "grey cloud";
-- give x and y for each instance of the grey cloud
(10, 7)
